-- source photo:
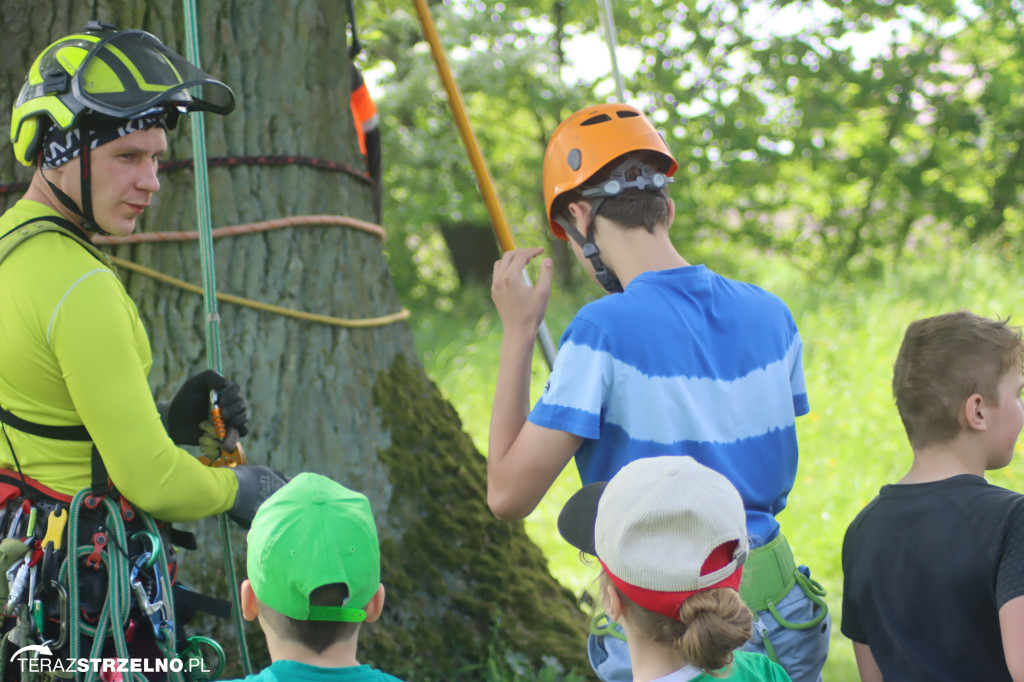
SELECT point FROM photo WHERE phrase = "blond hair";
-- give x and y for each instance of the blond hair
(711, 625)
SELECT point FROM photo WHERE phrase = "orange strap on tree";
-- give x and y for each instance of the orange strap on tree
(483, 176)
(364, 111)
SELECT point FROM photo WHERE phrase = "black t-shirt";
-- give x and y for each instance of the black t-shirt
(926, 568)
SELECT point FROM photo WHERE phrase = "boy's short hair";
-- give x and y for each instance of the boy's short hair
(633, 207)
(313, 557)
(942, 361)
(316, 635)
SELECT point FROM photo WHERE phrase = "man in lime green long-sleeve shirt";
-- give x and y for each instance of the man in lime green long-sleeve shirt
(91, 117)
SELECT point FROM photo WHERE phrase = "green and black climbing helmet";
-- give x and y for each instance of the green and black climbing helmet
(112, 74)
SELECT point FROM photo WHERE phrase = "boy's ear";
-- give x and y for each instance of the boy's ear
(580, 212)
(376, 604)
(611, 600)
(250, 605)
(973, 413)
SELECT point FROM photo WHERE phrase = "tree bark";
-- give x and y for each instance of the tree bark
(353, 404)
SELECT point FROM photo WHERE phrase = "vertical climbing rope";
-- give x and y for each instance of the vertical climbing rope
(205, 228)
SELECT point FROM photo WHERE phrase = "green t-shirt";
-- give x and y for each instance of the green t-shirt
(289, 671)
(746, 667)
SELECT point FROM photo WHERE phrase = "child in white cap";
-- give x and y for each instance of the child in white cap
(314, 577)
(671, 537)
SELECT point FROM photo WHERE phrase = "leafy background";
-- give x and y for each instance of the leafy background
(863, 159)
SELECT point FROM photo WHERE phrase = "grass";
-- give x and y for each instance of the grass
(851, 443)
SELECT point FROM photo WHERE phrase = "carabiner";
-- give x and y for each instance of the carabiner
(154, 547)
(192, 652)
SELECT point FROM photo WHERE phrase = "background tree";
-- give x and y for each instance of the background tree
(351, 403)
(837, 135)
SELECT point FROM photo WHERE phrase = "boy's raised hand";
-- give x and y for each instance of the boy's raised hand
(519, 305)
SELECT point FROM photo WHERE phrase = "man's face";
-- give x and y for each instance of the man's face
(123, 178)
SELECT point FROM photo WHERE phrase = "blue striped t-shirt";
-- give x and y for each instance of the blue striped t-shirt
(685, 362)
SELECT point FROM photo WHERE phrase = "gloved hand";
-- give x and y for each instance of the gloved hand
(191, 405)
(256, 482)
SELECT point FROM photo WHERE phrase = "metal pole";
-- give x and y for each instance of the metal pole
(609, 33)
(483, 176)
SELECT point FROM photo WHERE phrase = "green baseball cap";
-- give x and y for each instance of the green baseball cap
(310, 533)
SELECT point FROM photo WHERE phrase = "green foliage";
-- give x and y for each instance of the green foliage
(851, 443)
(838, 134)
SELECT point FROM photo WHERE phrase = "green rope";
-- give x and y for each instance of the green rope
(205, 228)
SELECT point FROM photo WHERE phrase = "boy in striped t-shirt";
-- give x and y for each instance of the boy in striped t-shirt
(677, 360)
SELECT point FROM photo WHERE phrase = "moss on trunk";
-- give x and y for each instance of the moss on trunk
(461, 585)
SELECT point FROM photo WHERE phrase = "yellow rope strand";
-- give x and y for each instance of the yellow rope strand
(403, 314)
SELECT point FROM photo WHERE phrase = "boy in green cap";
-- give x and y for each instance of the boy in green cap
(314, 576)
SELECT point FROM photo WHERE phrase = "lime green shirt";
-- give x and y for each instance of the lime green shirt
(73, 351)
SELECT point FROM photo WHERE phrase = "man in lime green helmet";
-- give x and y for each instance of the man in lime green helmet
(76, 410)
(91, 118)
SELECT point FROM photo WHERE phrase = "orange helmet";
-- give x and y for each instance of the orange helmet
(588, 141)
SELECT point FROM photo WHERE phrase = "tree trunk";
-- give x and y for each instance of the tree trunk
(353, 404)
(473, 251)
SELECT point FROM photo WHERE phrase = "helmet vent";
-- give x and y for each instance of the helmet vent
(626, 114)
(594, 120)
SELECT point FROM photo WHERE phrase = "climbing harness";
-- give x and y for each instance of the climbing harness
(86, 575)
(768, 576)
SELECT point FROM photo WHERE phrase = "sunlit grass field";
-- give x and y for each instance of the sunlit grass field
(851, 443)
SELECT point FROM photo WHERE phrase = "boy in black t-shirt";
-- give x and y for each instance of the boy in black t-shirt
(934, 566)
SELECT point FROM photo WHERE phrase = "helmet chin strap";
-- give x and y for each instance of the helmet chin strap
(89, 223)
(602, 272)
(648, 180)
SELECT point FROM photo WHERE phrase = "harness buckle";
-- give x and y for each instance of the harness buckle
(126, 508)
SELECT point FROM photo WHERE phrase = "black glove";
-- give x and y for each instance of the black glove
(256, 483)
(190, 406)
